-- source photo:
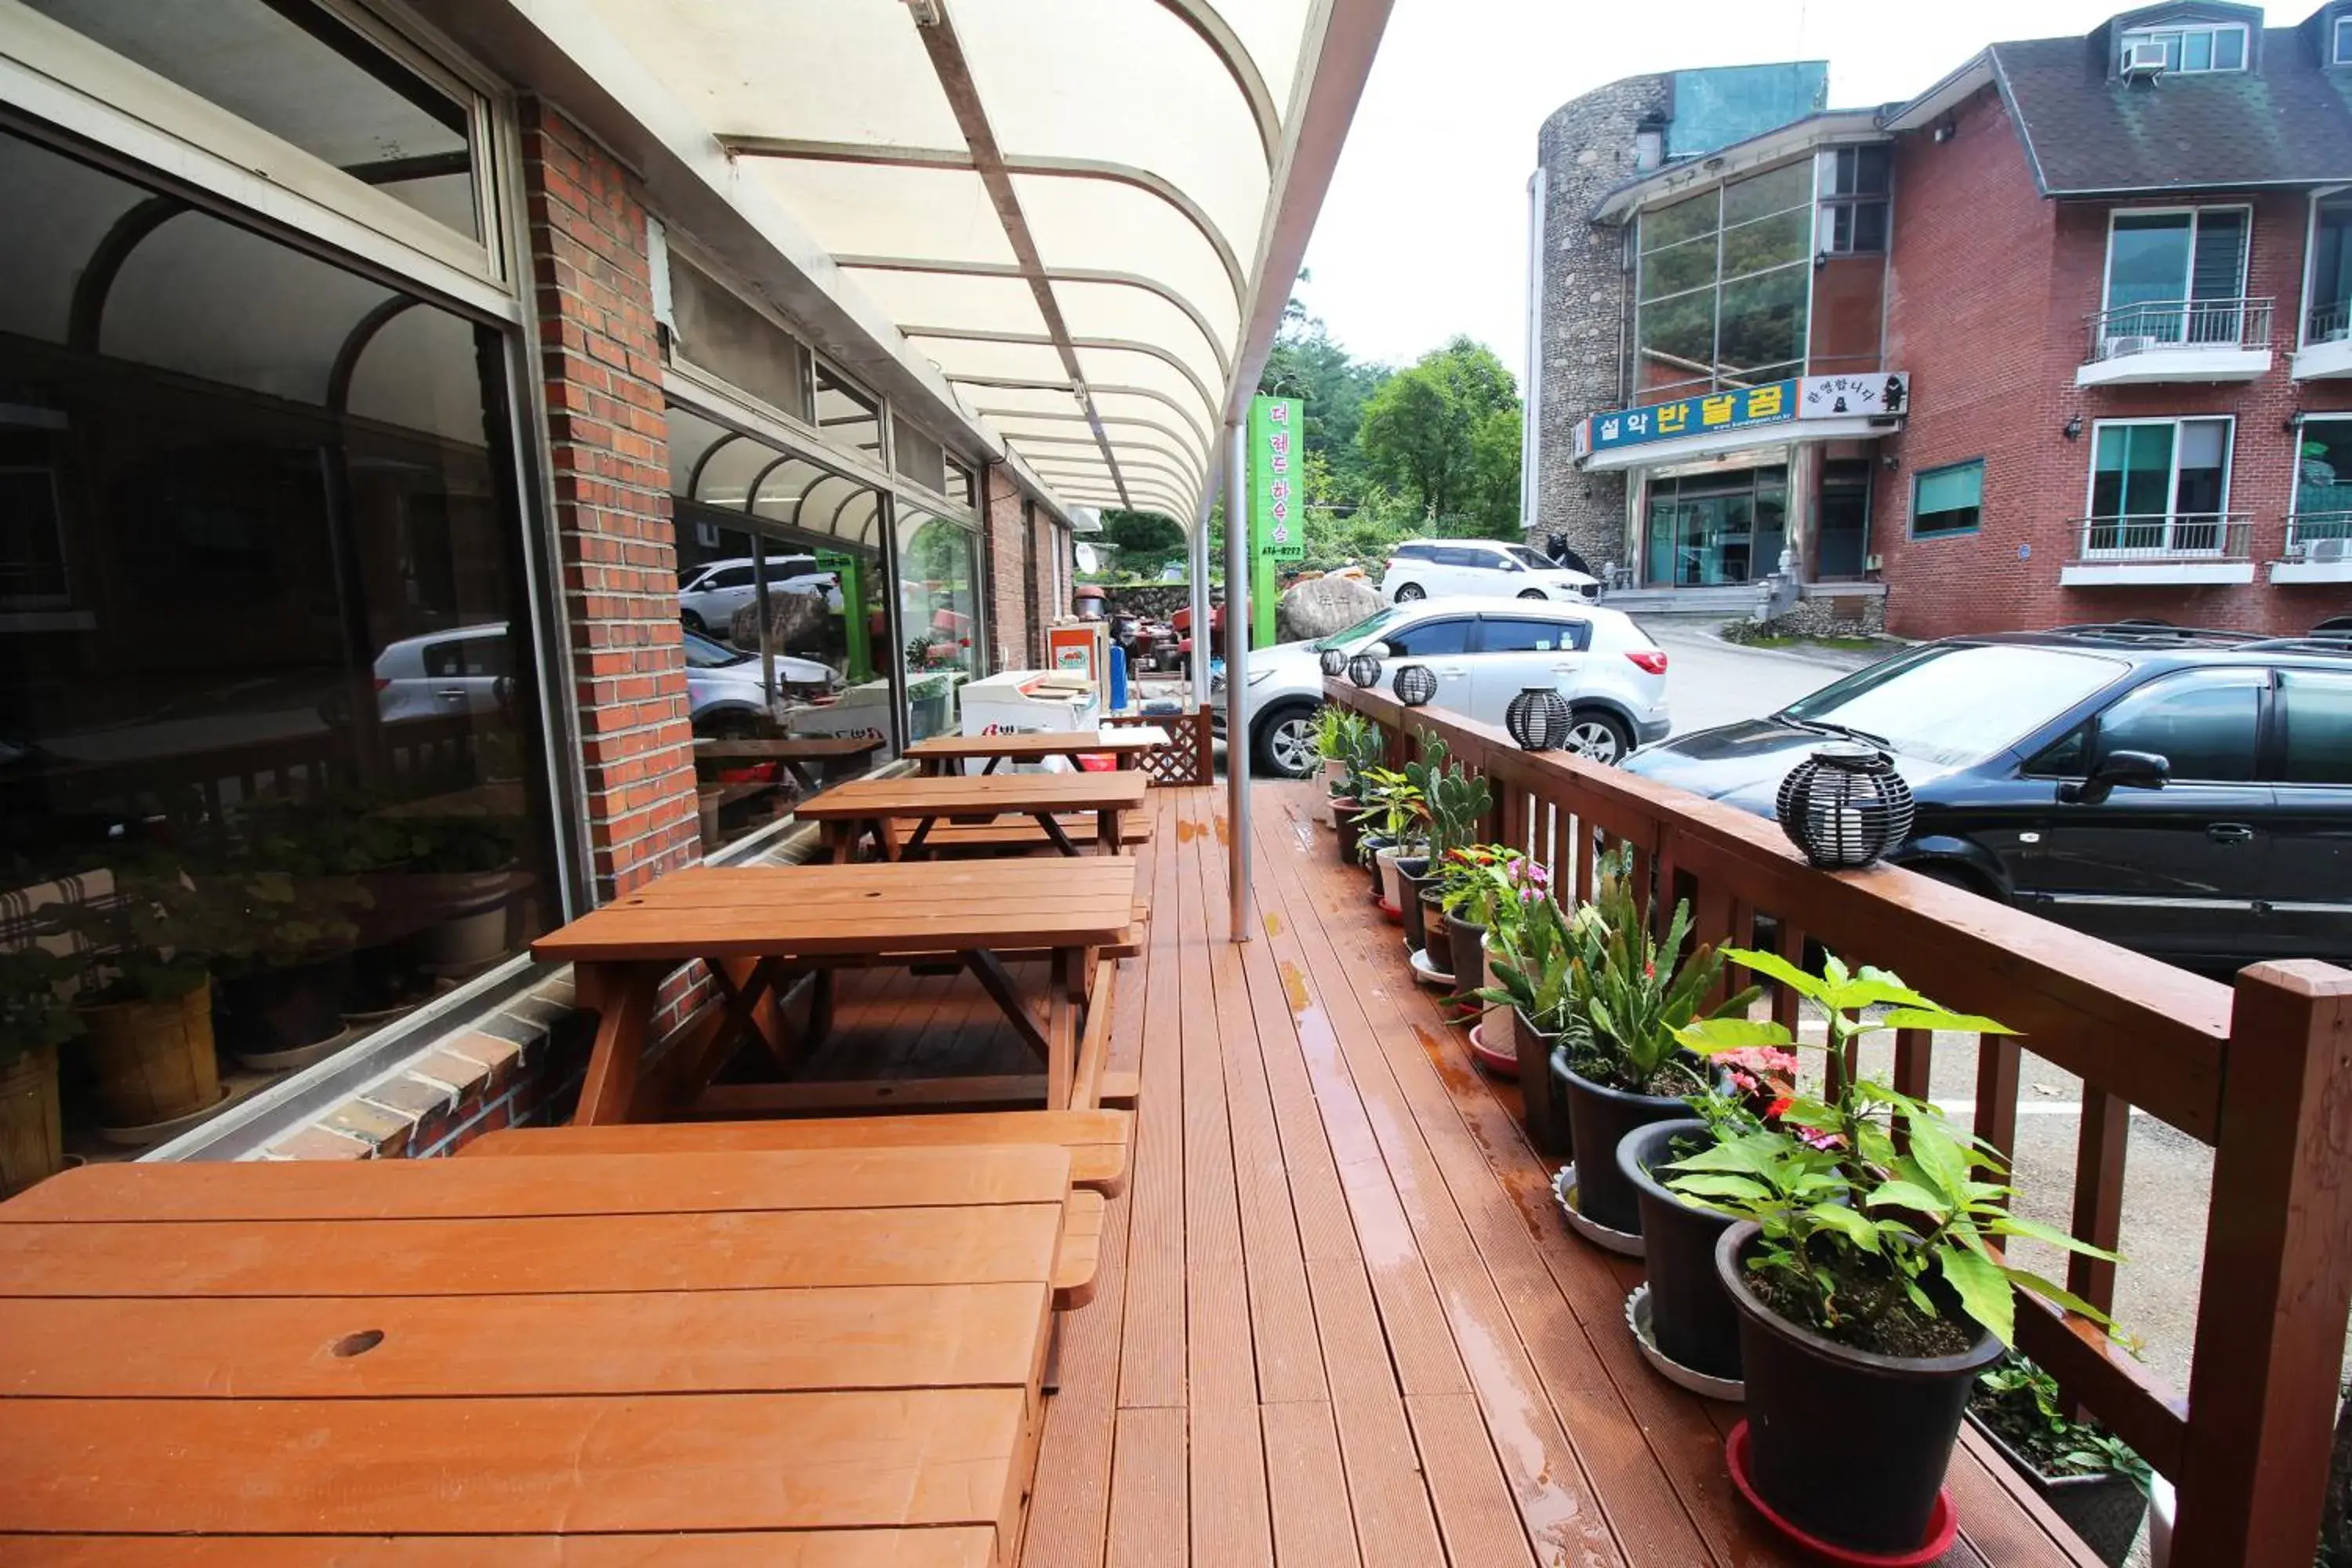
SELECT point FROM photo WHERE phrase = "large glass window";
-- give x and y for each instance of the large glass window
(2329, 312)
(939, 616)
(2159, 487)
(1948, 500)
(271, 758)
(2323, 487)
(2176, 276)
(297, 73)
(2202, 721)
(1723, 284)
(2192, 50)
(1853, 182)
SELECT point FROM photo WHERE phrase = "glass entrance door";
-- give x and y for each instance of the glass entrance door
(1711, 531)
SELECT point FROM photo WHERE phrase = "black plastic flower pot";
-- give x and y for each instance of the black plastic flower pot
(283, 1007)
(2105, 1511)
(1691, 1315)
(1413, 871)
(1373, 843)
(1599, 1118)
(1436, 940)
(1464, 938)
(1847, 1446)
(1350, 826)
(1544, 1107)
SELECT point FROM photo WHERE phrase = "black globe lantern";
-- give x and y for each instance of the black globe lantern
(1538, 720)
(1334, 662)
(1845, 805)
(1415, 684)
(1364, 670)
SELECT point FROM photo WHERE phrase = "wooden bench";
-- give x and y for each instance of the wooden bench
(1018, 835)
(1097, 1140)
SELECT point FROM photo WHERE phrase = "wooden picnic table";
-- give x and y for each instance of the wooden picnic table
(795, 752)
(817, 1356)
(766, 930)
(947, 754)
(850, 811)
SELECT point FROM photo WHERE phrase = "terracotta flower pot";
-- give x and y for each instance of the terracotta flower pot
(32, 1138)
(1849, 1447)
(152, 1061)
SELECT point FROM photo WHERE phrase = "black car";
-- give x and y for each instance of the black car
(2187, 793)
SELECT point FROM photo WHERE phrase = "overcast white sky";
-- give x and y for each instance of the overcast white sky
(1425, 233)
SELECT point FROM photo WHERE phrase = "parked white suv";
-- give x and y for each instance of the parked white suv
(1484, 653)
(710, 594)
(1428, 568)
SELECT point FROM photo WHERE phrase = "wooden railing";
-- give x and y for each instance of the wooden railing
(2261, 1071)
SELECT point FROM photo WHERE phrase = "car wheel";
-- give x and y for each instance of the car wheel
(1408, 591)
(1285, 746)
(694, 623)
(1599, 736)
(1535, 594)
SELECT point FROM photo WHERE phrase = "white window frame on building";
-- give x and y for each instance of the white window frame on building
(2330, 527)
(2341, 53)
(2220, 320)
(2179, 534)
(1836, 167)
(2180, 40)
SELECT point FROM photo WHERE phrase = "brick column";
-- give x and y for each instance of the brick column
(1005, 538)
(601, 363)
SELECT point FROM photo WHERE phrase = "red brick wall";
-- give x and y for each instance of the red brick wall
(602, 365)
(1990, 289)
(1005, 537)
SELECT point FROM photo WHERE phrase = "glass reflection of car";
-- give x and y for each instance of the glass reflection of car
(723, 683)
(2186, 795)
(709, 595)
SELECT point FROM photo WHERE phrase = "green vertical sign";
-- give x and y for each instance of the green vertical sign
(857, 656)
(1277, 430)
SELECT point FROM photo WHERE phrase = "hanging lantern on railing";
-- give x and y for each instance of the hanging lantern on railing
(1538, 720)
(1334, 662)
(1845, 805)
(1364, 670)
(1415, 684)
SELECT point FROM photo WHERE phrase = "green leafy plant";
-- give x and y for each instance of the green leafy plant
(2022, 1403)
(1487, 884)
(1366, 749)
(1637, 993)
(32, 1014)
(1395, 812)
(1455, 801)
(1531, 967)
(1869, 1203)
(155, 939)
(1334, 740)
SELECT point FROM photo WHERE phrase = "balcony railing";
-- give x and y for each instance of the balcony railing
(2252, 1070)
(2319, 535)
(2175, 325)
(2157, 537)
(2329, 323)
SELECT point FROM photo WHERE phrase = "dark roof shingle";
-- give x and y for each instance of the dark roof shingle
(2291, 124)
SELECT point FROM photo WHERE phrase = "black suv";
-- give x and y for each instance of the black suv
(2187, 793)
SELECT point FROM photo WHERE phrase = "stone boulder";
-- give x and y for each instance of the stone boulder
(796, 620)
(1321, 606)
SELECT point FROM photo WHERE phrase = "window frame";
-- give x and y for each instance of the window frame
(2341, 195)
(2195, 214)
(2282, 719)
(2338, 53)
(2172, 514)
(1471, 634)
(2294, 455)
(1911, 523)
(2262, 685)
(2178, 32)
(1712, 379)
(1829, 202)
(1576, 630)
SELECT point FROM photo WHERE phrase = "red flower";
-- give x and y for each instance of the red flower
(1649, 969)
(1777, 1108)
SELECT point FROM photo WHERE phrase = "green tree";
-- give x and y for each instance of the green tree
(1444, 434)
(1145, 541)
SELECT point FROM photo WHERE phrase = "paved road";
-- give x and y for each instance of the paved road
(1710, 682)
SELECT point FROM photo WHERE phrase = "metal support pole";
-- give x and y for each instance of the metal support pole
(1203, 646)
(767, 628)
(1237, 631)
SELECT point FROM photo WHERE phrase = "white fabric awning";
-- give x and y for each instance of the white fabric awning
(1078, 210)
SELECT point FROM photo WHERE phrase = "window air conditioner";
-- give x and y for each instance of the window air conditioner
(2145, 58)
(2138, 343)
(2328, 550)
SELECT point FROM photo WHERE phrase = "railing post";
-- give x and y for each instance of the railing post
(2277, 1276)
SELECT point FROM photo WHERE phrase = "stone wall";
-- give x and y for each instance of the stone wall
(1585, 149)
(1832, 610)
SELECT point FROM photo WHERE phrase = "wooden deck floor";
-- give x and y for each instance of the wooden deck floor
(1339, 1320)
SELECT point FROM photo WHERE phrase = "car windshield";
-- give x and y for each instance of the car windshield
(1370, 625)
(1526, 557)
(702, 653)
(1957, 703)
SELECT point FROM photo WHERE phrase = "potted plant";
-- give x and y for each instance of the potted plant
(1865, 1270)
(144, 994)
(1334, 743)
(34, 1021)
(2087, 1475)
(1394, 812)
(1624, 1068)
(1473, 882)
(1415, 872)
(1692, 1323)
(1531, 981)
(1457, 801)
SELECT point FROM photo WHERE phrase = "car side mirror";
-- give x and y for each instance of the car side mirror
(1379, 650)
(2119, 769)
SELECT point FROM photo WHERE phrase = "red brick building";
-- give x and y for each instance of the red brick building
(2120, 290)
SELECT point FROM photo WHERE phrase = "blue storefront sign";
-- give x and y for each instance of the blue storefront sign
(1768, 404)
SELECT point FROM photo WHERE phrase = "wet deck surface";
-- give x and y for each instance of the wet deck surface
(1339, 1320)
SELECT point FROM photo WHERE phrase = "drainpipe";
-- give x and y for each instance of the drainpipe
(1237, 628)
